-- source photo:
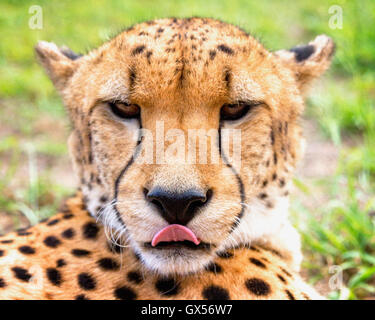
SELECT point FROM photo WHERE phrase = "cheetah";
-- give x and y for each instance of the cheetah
(187, 228)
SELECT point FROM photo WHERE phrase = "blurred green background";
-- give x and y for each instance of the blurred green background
(333, 205)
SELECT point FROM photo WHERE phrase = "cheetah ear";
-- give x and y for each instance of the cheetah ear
(310, 61)
(59, 63)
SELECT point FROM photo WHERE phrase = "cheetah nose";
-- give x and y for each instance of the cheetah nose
(177, 207)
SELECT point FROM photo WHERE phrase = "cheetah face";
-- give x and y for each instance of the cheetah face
(186, 131)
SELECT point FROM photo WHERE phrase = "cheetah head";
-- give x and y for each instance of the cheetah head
(184, 134)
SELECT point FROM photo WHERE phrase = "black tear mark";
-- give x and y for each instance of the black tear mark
(303, 52)
(138, 50)
(240, 184)
(122, 173)
(224, 48)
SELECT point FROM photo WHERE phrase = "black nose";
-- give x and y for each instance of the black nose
(177, 207)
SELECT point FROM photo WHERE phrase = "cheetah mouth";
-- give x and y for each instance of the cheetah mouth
(164, 245)
(175, 233)
(175, 236)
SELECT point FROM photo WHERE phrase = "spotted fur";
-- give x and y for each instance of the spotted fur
(86, 265)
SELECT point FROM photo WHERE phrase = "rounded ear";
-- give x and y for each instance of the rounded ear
(59, 63)
(309, 61)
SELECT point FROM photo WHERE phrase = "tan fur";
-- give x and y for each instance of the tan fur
(181, 72)
(233, 273)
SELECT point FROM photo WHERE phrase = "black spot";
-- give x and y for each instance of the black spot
(2, 283)
(90, 230)
(274, 177)
(225, 254)
(53, 222)
(214, 267)
(132, 77)
(1, 253)
(282, 279)
(274, 252)
(286, 272)
(6, 241)
(264, 184)
(21, 274)
(54, 276)
(274, 158)
(224, 48)
(212, 54)
(252, 248)
(138, 50)
(108, 264)
(227, 77)
(272, 137)
(125, 293)
(68, 233)
(103, 199)
(258, 263)
(52, 242)
(80, 252)
(148, 56)
(160, 30)
(81, 297)
(303, 52)
(86, 281)
(23, 233)
(265, 259)
(262, 195)
(167, 286)
(290, 295)
(269, 205)
(258, 286)
(215, 293)
(135, 277)
(60, 263)
(281, 182)
(68, 216)
(26, 250)
(114, 247)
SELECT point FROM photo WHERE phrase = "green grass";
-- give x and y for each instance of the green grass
(341, 234)
(338, 232)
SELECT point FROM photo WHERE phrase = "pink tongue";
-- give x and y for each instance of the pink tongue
(174, 232)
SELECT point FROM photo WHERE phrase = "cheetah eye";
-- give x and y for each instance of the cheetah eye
(125, 110)
(237, 110)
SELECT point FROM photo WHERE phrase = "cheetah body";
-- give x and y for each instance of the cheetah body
(68, 256)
